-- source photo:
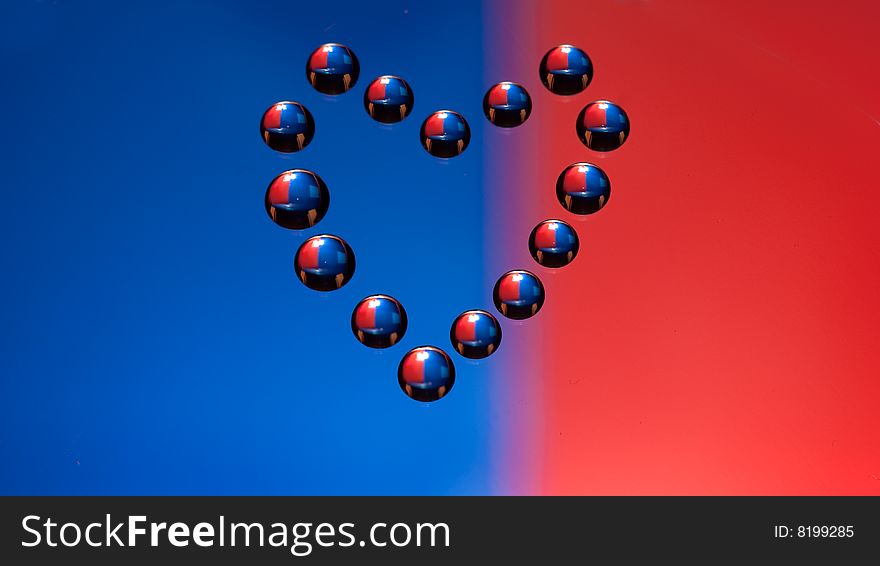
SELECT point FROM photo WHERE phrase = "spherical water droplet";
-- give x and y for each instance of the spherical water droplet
(553, 243)
(378, 321)
(297, 199)
(287, 126)
(324, 263)
(602, 126)
(388, 99)
(475, 334)
(332, 68)
(507, 104)
(583, 188)
(518, 294)
(445, 134)
(426, 373)
(566, 70)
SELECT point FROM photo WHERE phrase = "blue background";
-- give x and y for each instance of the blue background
(155, 339)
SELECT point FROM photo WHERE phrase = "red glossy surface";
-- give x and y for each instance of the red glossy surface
(718, 333)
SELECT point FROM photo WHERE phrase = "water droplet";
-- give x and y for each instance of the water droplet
(287, 126)
(518, 294)
(297, 199)
(426, 373)
(602, 126)
(553, 243)
(388, 99)
(475, 334)
(324, 263)
(445, 133)
(332, 68)
(507, 104)
(583, 188)
(378, 321)
(566, 70)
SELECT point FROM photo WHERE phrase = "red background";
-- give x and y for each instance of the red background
(717, 333)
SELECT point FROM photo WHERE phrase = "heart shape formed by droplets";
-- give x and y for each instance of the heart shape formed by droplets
(297, 199)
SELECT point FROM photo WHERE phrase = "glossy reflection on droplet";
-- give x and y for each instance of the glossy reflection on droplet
(566, 70)
(378, 321)
(507, 104)
(388, 99)
(475, 334)
(445, 134)
(583, 188)
(297, 199)
(287, 126)
(324, 263)
(554, 243)
(518, 294)
(602, 126)
(332, 68)
(426, 373)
